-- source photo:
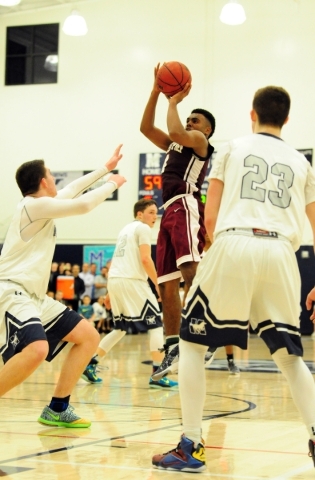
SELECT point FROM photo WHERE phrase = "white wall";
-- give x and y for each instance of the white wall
(105, 78)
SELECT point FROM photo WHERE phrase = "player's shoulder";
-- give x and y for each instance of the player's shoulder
(143, 227)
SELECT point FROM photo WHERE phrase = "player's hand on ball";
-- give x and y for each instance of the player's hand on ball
(179, 96)
(112, 162)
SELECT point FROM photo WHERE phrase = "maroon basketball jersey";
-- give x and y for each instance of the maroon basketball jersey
(183, 171)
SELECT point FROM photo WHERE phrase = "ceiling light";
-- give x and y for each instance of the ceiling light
(9, 3)
(75, 25)
(51, 63)
(233, 13)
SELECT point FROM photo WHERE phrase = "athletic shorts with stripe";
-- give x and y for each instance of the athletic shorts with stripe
(245, 279)
(26, 319)
(181, 237)
(132, 300)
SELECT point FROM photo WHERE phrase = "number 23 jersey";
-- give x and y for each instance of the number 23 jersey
(267, 184)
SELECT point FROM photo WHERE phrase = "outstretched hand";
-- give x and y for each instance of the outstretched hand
(309, 303)
(112, 162)
(118, 179)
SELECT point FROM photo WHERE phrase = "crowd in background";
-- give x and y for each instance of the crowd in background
(85, 292)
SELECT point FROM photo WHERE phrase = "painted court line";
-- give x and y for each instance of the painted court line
(155, 470)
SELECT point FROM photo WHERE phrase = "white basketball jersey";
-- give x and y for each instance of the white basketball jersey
(126, 261)
(266, 190)
(28, 263)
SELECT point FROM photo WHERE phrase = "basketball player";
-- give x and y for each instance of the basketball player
(259, 190)
(33, 326)
(131, 297)
(181, 237)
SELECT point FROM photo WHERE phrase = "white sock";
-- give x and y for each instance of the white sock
(155, 339)
(110, 340)
(192, 388)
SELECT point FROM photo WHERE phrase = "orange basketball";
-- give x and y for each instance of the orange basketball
(172, 77)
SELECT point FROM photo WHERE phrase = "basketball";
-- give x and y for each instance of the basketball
(172, 77)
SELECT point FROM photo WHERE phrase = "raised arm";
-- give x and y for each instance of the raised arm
(77, 187)
(53, 207)
(194, 139)
(147, 126)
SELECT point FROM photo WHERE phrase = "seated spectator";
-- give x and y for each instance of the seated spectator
(79, 287)
(59, 297)
(86, 309)
(100, 314)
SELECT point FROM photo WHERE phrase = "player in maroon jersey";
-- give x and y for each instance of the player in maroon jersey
(181, 237)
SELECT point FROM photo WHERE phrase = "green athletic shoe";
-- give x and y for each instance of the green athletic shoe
(66, 419)
(164, 383)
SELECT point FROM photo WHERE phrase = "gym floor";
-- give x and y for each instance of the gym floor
(251, 427)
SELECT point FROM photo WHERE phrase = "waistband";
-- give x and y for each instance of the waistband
(172, 200)
(255, 232)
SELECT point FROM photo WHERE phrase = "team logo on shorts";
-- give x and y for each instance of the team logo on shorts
(197, 326)
(14, 340)
(150, 320)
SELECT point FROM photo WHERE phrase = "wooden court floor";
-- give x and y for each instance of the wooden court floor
(251, 428)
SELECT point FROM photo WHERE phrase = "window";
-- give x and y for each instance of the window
(32, 54)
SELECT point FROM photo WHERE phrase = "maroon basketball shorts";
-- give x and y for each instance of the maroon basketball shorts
(181, 237)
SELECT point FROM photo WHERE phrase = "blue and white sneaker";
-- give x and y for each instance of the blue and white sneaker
(184, 458)
(164, 383)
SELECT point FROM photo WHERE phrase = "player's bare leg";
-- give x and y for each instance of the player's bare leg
(172, 308)
(188, 271)
(86, 339)
(22, 365)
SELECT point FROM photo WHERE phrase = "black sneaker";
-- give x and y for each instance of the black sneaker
(311, 452)
(233, 369)
(169, 364)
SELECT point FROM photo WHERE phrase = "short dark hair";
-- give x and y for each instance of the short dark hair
(29, 175)
(208, 116)
(142, 204)
(272, 105)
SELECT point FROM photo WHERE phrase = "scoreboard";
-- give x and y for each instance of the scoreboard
(150, 178)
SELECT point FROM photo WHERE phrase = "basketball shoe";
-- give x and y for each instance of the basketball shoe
(89, 374)
(66, 419)
(311, 452)
(169, 363)
(184, 458)
(233, 369)
(164, 383)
